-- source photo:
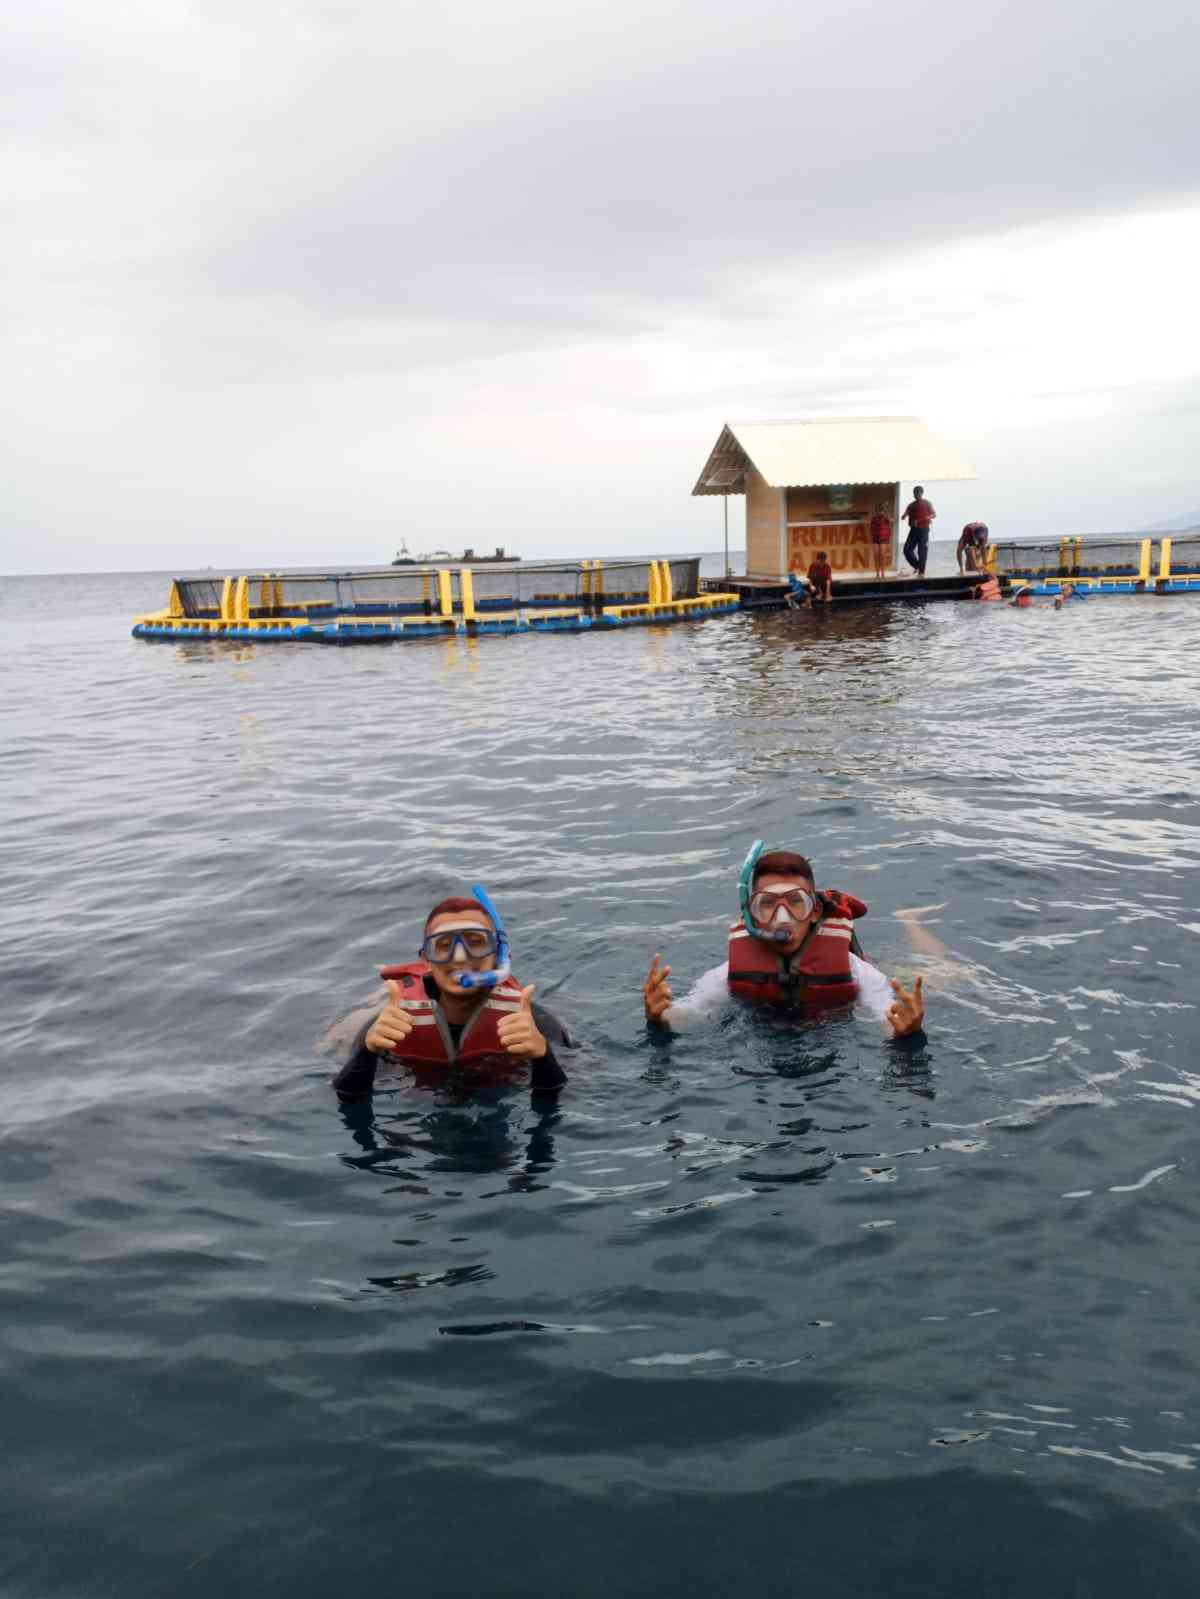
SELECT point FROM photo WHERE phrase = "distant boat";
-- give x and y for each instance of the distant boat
(444, 557)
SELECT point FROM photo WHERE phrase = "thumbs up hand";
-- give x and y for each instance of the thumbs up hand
(391, 1027)
(518, 1031)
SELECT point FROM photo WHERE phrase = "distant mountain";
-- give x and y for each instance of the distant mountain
(1177, 524)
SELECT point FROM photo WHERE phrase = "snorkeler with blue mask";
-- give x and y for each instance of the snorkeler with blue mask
(457, 1011)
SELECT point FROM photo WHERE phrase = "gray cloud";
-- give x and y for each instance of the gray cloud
(242, 229)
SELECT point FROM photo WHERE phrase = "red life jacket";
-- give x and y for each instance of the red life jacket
(817, 976)
(430, 1044)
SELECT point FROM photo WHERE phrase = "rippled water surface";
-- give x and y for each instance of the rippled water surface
(774, 1309)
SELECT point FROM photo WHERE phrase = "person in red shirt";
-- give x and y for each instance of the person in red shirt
(919, 513)
(820, 579)
(881, 538)
(972, 546)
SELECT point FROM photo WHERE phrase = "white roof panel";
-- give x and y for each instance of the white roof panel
(823, 450)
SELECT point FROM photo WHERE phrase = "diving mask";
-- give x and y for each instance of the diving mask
(797, 905)
(476, 943)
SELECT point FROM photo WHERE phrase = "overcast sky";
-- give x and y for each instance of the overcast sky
(289, 282)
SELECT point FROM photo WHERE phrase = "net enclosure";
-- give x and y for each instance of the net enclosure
(1185, 554)
(1070, 558)
(587, 586)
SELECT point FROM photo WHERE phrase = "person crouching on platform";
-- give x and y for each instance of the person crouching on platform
(457, 1013)
(793, 947)
(881, 539)
(820, 579)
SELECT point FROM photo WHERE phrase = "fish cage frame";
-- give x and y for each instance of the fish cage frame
(387, 605)
(1165, 565)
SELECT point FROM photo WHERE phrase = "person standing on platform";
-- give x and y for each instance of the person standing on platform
(881, 539)
(820, 579)
(918, 514)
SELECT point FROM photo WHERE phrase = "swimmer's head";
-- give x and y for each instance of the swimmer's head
(789, 903)
(459, 937)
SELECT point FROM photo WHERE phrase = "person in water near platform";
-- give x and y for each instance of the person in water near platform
(792, 946)
(919, 513)
(881, 538)
(457, 1012)
(820, 579)
(972, 547)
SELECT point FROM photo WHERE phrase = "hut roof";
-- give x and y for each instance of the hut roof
(824, 450)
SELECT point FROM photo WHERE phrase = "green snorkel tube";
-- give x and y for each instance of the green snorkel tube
(503, 964)
(779, 935)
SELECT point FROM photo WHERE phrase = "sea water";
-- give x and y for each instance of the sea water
(775, 1308)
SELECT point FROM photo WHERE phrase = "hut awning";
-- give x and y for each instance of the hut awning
(825, 450)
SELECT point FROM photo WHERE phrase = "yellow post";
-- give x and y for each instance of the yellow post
(277, 594)
(264, 592)
(227, 600)
(586, 585)
(466, 591)
(664, 583)
(445, 595)
(1064, 546)
(175, 603)
(654, 597)
(1144, 566)
(241, 600)
(598, 580)
(989, 559)
(1164, 559)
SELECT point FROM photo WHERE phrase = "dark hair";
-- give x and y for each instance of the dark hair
(456, 902)
(783, 863)
(822, 555)
(917, 489)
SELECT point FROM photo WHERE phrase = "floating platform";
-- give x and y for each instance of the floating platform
(397, 605)
(771, 594)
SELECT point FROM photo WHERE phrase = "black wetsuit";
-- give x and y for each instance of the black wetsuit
(357, 1076)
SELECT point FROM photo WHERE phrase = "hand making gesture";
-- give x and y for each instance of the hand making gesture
(656, 991)
(907, 1015)
(392, 1026)
(518, 1031)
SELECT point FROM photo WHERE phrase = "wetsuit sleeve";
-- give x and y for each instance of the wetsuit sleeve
(357, 1076)
(704, 1000)
(548, 1072)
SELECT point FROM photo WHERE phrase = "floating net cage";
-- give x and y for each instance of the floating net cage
(1150, 559)
(393, 592)
(1066, 558)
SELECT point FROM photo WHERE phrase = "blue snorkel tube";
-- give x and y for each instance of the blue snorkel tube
(503, 965)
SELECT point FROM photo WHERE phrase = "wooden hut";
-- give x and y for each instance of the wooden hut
(813, 485)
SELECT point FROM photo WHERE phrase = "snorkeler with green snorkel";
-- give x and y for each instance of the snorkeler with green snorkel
(793, 946)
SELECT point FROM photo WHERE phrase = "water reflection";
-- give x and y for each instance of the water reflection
(486, 1131)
